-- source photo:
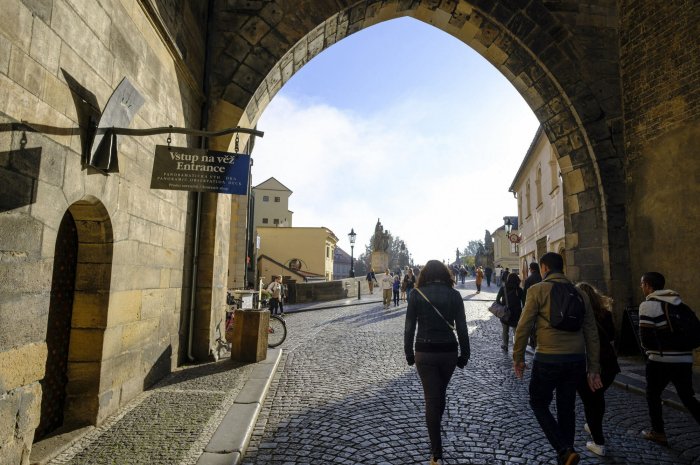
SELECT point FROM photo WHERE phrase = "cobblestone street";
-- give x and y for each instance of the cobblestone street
(344, 394)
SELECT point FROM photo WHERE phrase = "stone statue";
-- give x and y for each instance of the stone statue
(380, 240)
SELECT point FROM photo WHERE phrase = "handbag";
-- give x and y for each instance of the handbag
(502, 312)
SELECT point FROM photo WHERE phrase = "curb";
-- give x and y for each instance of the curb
(230, 440)
(642, 392)
(326, 307)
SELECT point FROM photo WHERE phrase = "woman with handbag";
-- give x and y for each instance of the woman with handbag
(513, 297)
(435, 308)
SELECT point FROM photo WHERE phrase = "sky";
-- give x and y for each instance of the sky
(399, 122)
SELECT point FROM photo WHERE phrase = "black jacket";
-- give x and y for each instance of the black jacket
(516, 301)
(432, 330)
(534, 278)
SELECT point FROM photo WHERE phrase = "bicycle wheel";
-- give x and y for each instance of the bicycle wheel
(276, 332)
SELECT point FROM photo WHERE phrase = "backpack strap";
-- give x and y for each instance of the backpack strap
(435, 308)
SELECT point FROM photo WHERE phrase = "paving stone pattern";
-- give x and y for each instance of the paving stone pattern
(169, 424)
(344, 394)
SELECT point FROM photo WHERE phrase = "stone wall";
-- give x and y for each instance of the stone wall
(58, 59)
(659, 66)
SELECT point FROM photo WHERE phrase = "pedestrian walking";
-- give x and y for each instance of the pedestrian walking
(488, 272)
(410, 280)
(533, 277)
(275, 290)
(479, 278)
(497, 277)
(462, 273)
(513, 297)
(283, 296)
(396, 287)
(594, 401)
(372, 280)
(436, 309)
(670, 359)
(386, 283)
(567, 347)
(504, 276)
(402, 297)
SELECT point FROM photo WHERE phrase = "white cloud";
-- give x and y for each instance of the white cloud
(436, 170)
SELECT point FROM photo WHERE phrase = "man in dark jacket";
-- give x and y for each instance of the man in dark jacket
(667, 363)
(534, 277)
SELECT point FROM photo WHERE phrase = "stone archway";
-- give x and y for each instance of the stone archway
(563, 63)
(77, 318)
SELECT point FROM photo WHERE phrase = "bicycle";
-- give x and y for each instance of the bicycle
(276, 331)
(222, 345)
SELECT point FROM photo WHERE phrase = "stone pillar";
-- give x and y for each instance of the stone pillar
(249, 342)
(380, 261)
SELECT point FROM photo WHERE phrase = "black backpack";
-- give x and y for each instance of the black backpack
(566, 307)
(684, 326)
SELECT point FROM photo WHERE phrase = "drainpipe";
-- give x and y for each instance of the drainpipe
(195, 261)
(204, 118)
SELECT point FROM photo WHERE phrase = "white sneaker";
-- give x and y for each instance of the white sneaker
(586, 428)
(595, 448)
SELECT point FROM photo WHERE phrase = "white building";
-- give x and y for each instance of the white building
(538, 190)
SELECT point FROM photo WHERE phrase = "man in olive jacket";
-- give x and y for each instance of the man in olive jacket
(561, 360)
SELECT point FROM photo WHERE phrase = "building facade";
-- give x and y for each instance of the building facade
(309, 248)
(538, 189)
(341, 264)
(271, 204)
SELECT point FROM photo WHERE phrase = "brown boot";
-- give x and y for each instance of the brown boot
(651, 435)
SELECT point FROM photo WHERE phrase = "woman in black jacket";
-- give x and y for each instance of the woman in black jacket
(513, 297)
(594, 401)
(436, 308)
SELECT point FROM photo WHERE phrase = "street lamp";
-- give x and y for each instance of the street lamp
(352, 237)
(514, 238)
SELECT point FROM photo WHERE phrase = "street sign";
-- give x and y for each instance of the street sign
(199, 170)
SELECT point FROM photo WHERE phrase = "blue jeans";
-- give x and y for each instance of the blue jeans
(562, 378)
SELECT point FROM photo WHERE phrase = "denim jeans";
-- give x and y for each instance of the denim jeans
(435, 370)
(562, 378)
(658, 375)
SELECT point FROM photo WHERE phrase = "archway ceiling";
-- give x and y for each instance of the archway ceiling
(561, 55)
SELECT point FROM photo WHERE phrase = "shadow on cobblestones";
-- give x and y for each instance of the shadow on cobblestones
(191, 374)
(346, 396)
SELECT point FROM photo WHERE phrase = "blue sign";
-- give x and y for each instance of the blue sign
(199, 170)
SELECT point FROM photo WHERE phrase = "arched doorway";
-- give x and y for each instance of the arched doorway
(536, 47)
(77, 318)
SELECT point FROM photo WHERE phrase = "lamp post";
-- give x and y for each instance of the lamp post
(514, 238)
(352, 237)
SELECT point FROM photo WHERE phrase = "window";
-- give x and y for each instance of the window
(538, 185)
(527, 198)
(264, 220)
(554, 171)
(277, 199)
(276, 221)
(328, 252)
(266, 198)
